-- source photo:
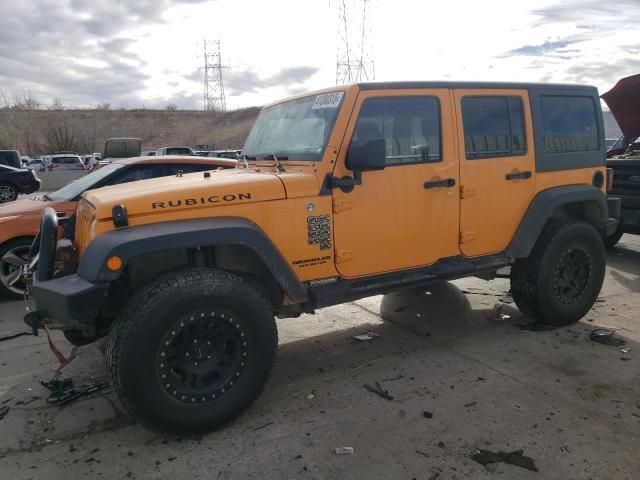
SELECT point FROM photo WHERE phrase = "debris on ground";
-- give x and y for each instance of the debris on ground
(487, 457)
(536, 327)
(63, 391)
(625, 350)
(263, 426)
(15, 335)
(606, 337)
(378, 390)
(427, 414)
(365, 337)
(470, 404)
(3, 411)
(343, 450)
(435, 476)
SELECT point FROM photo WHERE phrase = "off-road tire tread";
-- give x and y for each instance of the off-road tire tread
(524, 273)
(137, 307)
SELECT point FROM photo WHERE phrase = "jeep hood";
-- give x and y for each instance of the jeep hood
(624, 102)
(165, 194)
(222, 187)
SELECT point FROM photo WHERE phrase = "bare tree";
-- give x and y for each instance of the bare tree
(60, 134)
(8, 122)
(172, 107)
(56, 104)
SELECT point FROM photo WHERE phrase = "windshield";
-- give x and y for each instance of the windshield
(75, 188)
(296, 130)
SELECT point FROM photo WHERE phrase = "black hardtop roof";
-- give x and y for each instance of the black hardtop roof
(470, 85)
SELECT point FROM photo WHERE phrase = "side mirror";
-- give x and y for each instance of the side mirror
(366, 155)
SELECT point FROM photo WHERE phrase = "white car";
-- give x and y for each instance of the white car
(66, 161)
(37, 165)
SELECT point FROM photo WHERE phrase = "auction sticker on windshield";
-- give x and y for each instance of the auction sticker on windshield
(328, 100)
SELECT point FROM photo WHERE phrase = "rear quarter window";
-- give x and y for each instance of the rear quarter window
(569, 124)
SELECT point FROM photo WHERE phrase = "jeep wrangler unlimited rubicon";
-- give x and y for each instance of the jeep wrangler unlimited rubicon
(339, 195)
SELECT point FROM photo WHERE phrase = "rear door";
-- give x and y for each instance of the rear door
(497, 166)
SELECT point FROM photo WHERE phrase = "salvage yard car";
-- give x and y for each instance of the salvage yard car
(14, 181)
(20, 220)
(339, 194)
(66, 161)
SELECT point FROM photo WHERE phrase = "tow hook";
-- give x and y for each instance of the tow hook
(33, 320)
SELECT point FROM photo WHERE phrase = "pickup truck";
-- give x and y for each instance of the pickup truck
(624, 156)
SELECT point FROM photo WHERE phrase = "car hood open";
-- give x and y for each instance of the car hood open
(624, 102)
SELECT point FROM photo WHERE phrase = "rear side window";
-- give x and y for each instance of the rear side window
(569, 124)
(409, 125)
(493, 127)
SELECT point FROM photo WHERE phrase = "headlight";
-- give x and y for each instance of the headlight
(8, 219)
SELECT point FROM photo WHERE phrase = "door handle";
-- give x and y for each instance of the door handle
(448, 182)
(519, 175)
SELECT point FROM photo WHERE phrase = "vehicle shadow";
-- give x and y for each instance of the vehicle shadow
(624, 263)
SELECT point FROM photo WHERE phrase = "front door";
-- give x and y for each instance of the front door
(497, 167)
(407, 214)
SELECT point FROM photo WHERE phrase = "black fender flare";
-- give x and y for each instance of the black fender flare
(541, 209)
(129, 242)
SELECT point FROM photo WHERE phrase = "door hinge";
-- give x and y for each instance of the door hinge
(341, 205)
(466, 237)
(343, 255)
(466, 192)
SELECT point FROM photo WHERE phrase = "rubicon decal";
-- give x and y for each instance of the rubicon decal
(188, 202)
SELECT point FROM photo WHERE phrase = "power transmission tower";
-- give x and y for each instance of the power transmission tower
(354, 57)
(214, 98)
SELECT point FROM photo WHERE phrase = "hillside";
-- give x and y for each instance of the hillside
(36, 132)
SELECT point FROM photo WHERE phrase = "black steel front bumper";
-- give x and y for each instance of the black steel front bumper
(69, 301)
(63, 302)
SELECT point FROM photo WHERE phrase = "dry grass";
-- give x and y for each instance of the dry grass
(31, 131)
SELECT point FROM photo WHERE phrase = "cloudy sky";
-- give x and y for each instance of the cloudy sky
(135, 53)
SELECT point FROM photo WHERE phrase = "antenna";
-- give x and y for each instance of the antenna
(214, 98)
(354, 54)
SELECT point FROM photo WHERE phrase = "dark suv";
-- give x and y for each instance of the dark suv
(10, 158)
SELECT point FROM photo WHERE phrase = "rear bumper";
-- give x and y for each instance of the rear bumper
(30, 186)
(69, 301)
(614, 208)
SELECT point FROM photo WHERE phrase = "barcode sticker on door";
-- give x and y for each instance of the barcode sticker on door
(327, 100)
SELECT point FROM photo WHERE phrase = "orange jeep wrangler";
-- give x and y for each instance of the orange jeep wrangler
(339, 194)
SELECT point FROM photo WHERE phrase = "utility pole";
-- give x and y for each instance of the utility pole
(354, 54)
(213, 98)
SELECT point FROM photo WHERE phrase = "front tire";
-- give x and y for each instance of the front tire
(13, 255)
(561, 280)
(192, 350)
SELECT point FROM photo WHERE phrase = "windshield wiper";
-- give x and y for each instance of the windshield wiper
(276, 161)
(47, 198)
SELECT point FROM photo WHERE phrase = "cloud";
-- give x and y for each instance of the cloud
(602, 13)
(77, 50)
(544, 48)
(248, 81)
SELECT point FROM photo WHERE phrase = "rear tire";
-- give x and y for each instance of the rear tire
(8, 192)
(614, 238)
(561, 280)
(192, 350)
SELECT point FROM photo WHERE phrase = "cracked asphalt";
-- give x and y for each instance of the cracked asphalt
(462, 372)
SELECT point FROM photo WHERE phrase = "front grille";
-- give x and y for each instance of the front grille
(626, 178)
(84, 217)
